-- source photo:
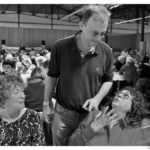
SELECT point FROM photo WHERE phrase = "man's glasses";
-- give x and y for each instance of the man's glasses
(95, 33)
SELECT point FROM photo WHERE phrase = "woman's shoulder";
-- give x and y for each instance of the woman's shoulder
(31, 111)
(32, 114)
(141, 136)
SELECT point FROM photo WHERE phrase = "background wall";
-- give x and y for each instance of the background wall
(123, 41)
(32, 37)
(32, 30)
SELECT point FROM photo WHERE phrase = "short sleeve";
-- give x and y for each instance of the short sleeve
(108, 75)
(54, 64)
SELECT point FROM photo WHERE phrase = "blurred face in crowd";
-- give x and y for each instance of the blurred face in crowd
(8, 69)
(26, 62)
(122, 101)
(23, 52)
(93, 30)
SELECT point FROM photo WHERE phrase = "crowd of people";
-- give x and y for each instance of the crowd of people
(68, 96)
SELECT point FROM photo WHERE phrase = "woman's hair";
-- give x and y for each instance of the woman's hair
(134, 117)
(37, 73)
(6, 83)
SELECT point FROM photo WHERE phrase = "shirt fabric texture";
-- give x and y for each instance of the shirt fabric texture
(26, 131)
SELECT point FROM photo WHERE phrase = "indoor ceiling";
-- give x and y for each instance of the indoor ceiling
(72, 12)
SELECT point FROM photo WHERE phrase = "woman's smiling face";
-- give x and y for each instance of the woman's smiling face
(16, 98)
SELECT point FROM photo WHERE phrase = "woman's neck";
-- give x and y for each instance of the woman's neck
(11, 114)
(120, 115)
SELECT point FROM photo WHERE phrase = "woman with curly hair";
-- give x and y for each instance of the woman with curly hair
(120, 126)
(19, 126)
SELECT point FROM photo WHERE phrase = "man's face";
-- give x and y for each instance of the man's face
(93, 30)
(122, 101)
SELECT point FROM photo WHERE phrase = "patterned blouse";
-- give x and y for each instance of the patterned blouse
(26, 131)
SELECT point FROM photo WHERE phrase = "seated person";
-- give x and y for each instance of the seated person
(145, 68)
(117, 127)
(27, 69)
(34, 92)
(119, 63)
(129, 71)
(34, 97)
(19, 126)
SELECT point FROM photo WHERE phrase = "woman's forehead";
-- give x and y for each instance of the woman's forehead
(125, 91)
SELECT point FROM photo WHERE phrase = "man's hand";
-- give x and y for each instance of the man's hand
(103, 119)
(47, 112)
(91, 104)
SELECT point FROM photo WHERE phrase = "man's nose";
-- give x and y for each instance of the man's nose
(99, 38)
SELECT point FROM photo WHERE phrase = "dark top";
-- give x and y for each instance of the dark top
(79, 78)
(26, 131)
(130, 72)
(145, 71)
(34, 95)
(143, 85)
(118, 65)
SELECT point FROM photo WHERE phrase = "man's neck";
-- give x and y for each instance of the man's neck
(82, 44)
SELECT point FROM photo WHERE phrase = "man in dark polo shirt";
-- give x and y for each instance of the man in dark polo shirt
(82, 67)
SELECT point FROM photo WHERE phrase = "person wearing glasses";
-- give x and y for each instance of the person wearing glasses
(126, 124)
(82, 67)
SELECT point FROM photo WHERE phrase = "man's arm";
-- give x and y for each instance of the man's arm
(50, 84)
(95, 101)
(106, 86)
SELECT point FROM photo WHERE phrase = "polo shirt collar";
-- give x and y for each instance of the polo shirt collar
(92, 51)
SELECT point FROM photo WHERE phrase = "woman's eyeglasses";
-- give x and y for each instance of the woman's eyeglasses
(122, 95)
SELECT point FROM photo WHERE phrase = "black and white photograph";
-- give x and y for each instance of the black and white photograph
(74, 74)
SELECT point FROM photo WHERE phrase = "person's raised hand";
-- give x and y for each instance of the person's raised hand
(102, 119)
